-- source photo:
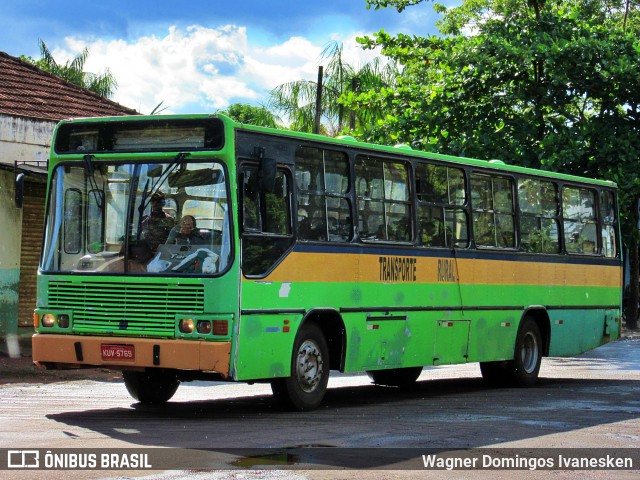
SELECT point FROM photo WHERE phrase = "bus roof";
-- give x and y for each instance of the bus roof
(401, 149)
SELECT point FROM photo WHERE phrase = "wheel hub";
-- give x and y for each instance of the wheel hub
(309, 366)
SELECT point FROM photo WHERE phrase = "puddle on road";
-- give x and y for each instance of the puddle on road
(280, 457)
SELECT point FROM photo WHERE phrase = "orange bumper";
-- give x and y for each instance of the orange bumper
(76, 351)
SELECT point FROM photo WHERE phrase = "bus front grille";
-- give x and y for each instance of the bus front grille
(125, 308)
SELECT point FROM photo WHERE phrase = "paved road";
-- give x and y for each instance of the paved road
(591, 401)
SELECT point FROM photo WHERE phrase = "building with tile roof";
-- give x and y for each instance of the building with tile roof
(32, 102)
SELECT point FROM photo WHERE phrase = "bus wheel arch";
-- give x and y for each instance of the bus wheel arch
(318, 347)
(305, 387)
(331, 324)
(531, 344)
(527, 354)
(541, 317)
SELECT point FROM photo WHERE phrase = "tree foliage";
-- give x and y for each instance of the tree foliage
(73, 71)
(547, 84)
(252, 115)
(296, 101)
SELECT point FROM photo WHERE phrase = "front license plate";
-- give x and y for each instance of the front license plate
(118, 352)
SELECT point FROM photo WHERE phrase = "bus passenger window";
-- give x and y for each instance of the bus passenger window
(609, 227)
(324, 209)
(384, 206)
(442, 220)
(539, 231)
(493, 211)
(579, 219)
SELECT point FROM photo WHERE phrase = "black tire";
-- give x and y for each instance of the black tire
(307, 385)
(527, 355)
(523, 370)
(153, 386)
(395, 377)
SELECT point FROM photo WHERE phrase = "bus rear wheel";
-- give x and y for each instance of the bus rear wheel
(307, 385)
(528, 354)
(395, 377)
(523, 370)
(153, 386)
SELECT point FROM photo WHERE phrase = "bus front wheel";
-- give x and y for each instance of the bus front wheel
(307, 385)
(153, 386)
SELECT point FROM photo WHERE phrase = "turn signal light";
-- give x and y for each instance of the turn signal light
(36, 320)
(221, 327)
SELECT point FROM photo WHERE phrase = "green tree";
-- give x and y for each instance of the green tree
(252, 115)
(73, 71)
(297, 100)
(547, 84)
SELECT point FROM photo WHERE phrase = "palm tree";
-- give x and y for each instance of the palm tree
(73, 72)
(297, 100)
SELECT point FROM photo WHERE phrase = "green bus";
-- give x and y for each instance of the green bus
(191, 247)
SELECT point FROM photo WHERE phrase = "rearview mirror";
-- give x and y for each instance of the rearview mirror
(19, 190)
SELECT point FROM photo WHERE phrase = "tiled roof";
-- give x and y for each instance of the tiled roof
(27, 91)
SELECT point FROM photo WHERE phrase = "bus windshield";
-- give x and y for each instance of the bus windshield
(138, 218)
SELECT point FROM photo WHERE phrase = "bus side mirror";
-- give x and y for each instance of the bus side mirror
(267, 174)
(19, 190)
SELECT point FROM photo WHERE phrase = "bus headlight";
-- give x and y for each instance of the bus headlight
(48, 320)
(186, 325)
(204, 327)
(63, 321)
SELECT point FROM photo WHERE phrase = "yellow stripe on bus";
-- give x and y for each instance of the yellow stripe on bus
(325, 267)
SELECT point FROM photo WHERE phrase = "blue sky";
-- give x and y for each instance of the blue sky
(200, 55)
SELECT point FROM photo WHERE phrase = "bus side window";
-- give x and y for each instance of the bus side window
(324, 208)
(579, 219)
(493, 211)
(539, 225)
(266, 219)
(384, 206)
(609, 224)
(442, 220)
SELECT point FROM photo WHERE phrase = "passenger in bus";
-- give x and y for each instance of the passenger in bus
(187, 233)
(157, 226)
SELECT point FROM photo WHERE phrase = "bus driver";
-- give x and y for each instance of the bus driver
(186, 233)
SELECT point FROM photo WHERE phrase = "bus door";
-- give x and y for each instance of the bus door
(451, 338)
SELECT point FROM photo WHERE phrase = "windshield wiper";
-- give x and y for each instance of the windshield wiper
(147, 192)
(93, 183)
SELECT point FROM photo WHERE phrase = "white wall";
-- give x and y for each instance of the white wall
(23, 139)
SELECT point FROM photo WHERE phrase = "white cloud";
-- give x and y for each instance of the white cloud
(199, 69)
